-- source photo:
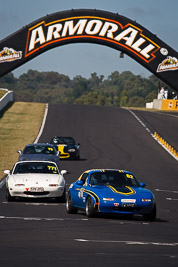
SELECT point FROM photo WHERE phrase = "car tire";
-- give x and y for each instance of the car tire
(62, 199)
(90, 210)
(151, 216)
(9, 198)
(78, 157)
(69, 205)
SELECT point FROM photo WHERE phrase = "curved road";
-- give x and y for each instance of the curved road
(41, 233)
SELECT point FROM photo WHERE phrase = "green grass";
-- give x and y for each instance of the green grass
(2, 93)
(19, 126)
(150, 109)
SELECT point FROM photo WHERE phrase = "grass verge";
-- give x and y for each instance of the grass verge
(2, 93)
(19, 126)
(151, 109)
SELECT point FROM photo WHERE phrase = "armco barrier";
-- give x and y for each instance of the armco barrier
(7, 98)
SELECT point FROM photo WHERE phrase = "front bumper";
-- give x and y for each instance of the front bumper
(48, 192)
(117, 208)
(64, 153)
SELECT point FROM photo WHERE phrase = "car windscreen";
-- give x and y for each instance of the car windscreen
(36, 167)
(113, 178)
(39, 149)
(63, 140)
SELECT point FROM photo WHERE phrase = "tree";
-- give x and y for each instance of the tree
(119, 89)
(136, 101)
(8, 81)
(92, 98)
(124, 99)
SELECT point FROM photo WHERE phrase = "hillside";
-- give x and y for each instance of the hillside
(118, 89)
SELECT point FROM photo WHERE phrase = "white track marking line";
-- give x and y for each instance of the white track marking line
(149, 131)
(44, 204)
(169, 198)
(128, 242)
(168, 191)
(42, 125)
(68, 219)
(37, 204)
(41, 218)
(2, 182)
(166, 114)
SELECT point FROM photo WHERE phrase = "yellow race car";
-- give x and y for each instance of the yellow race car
(67, 147)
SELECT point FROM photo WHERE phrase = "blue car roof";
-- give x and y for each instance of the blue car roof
(103, 170)
(39, 144)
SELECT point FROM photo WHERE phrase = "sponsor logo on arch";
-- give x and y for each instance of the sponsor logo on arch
(129, 36)
(9, 54)
(170, 63)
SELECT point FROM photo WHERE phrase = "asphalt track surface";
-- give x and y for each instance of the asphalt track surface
(41, 233)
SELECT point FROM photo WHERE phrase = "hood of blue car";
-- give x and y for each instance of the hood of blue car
(110, 191)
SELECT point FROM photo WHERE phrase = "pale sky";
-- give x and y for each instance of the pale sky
(158, 16)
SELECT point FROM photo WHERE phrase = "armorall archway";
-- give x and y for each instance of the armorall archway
(91, 26)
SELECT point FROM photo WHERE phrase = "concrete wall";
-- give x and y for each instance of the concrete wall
(164, 104)
(149, 105)
(7, 98)
(157, 103)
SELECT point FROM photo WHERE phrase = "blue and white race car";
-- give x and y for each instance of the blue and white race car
(110, 191)
(39, 151)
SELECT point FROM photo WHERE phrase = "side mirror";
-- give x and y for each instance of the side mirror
(7, 171)
(142, 184)
(63, 172)
(79, 183)
(19, 151)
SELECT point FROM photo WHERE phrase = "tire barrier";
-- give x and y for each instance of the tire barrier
(156, 137)
(165, 144)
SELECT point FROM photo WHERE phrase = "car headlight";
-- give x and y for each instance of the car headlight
(108, 199)
(146, 200)
(71, 150)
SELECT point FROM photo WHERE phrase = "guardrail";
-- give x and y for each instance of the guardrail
(6, 99)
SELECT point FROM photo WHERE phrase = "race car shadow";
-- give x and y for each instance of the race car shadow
(136, 218)
(35, 200)
(129, 217)
(71, 159)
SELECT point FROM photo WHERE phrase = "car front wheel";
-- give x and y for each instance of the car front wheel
(8, 196)
(90, 210)
(151, 216)
(62, 199)
(69, 205)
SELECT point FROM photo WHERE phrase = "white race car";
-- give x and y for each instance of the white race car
(35, 179)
